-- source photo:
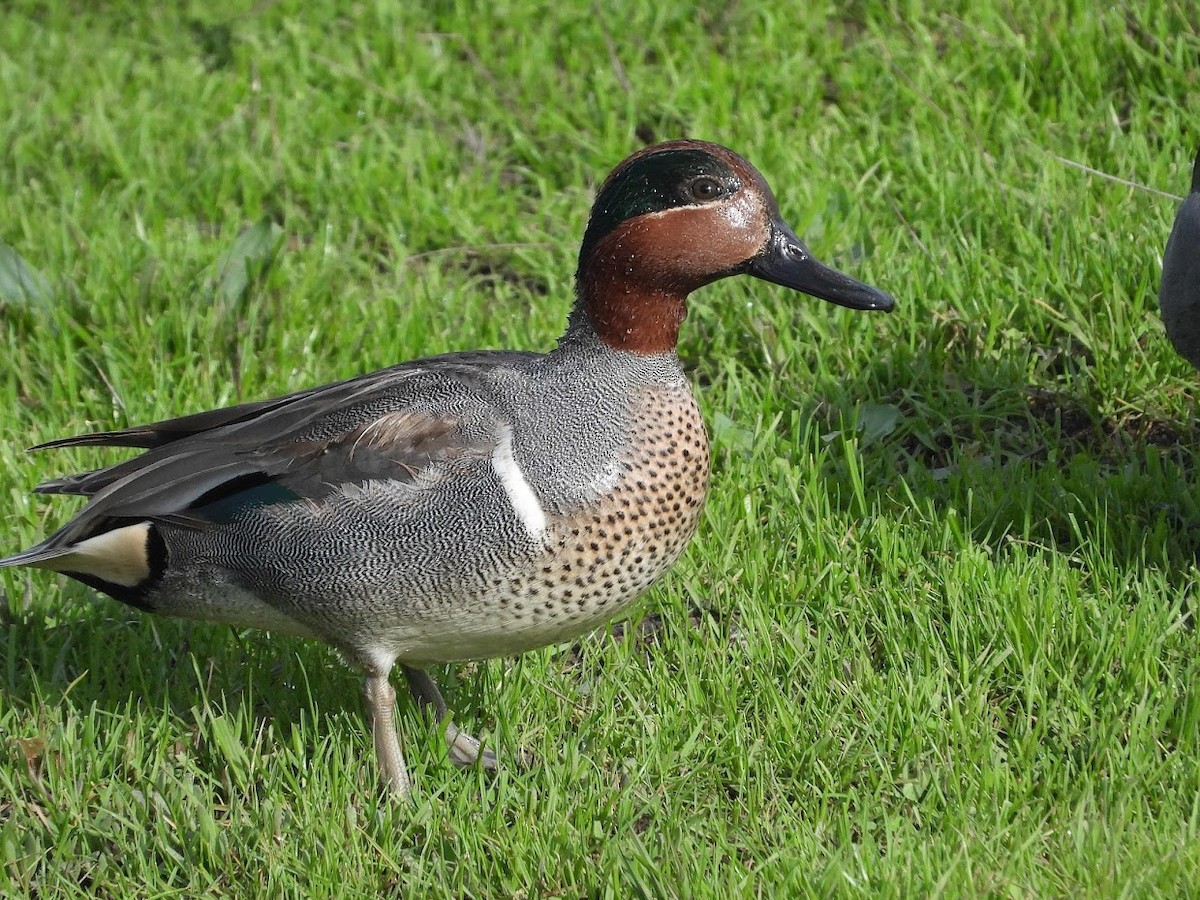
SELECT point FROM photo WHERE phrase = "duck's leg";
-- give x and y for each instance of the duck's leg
(464, 749)
(381, 715)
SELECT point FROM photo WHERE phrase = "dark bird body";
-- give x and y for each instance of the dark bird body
(1179, 292)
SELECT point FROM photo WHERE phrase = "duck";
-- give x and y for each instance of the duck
(1179, 290)
(463, 506)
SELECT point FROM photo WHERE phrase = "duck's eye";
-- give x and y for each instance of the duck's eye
(704, 189)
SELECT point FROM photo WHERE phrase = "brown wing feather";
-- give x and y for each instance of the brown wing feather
(260, 422)
(382, 426)
(160, 434)
(156, 434)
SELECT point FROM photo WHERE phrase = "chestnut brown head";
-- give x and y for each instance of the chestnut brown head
(677, 216)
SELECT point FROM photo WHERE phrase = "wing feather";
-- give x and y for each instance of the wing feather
(390, 424)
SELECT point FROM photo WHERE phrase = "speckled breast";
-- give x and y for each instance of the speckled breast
(601, 556)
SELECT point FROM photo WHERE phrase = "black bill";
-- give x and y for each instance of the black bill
(786, 261)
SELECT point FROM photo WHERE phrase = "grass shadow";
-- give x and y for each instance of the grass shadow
(1023, 461)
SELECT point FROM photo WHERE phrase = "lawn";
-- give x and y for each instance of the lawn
(934, 634)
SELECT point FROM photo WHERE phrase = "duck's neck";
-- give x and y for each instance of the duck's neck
(626, 316)
(631, 288)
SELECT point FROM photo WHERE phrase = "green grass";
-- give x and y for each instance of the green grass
(933, 635)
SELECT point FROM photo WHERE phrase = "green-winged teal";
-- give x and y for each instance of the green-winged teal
(462, 506)
(1179, 292)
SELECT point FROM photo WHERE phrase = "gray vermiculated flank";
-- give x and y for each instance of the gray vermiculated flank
(442, 568)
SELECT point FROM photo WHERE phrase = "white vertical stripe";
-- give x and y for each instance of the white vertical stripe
(520, 494)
